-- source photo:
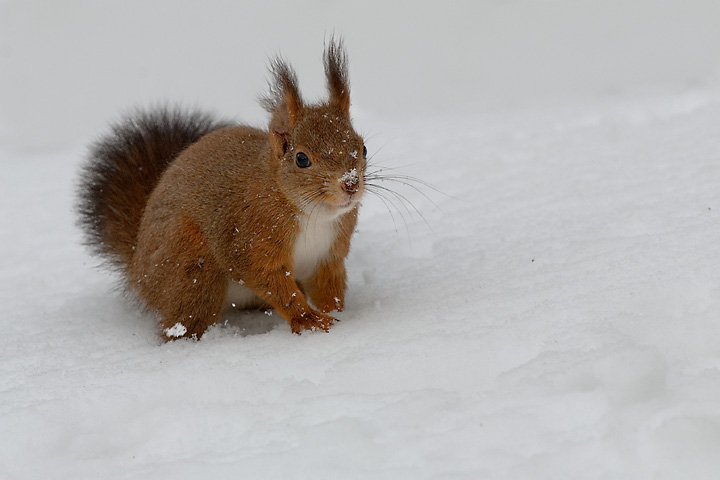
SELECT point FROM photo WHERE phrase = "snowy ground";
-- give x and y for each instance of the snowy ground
(558, 318)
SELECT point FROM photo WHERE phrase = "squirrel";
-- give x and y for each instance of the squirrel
(200, 214)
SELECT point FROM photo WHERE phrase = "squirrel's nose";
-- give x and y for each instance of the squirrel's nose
(350, 182)
(351, 187)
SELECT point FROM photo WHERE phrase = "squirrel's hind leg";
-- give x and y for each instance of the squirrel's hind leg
(180, 280)
(194, 305)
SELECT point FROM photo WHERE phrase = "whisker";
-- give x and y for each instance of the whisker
(405, 202)
(393, 195)
(377, 174)
(407, 184)
(367, 136)
(308, 198)
(386, 167)
(379, 150)
(387, 207)
(388, 201)
(320, 198)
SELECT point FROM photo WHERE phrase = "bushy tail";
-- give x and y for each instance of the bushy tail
(124, 167)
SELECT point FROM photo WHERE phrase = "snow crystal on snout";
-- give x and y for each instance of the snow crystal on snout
(354, 154)
(177, 330)
(349, 178)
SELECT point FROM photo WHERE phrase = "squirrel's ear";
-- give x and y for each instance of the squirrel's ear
(283, 102)
(336, 72)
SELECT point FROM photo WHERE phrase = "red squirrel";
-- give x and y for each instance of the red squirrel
(199, 214)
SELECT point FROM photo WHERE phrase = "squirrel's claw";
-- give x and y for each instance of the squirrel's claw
(313, 322)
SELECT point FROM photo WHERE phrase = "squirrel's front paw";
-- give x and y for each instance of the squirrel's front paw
(327, 305)
(311, 320)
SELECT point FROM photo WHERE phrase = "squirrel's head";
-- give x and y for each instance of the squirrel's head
(322, 160)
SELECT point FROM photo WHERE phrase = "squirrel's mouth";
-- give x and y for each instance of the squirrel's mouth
(342, 208)
(334, 204)
(350, 201)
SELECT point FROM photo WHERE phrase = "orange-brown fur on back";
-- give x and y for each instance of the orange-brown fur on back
(236, 209)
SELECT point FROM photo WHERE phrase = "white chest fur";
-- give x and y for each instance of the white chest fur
(314, 242)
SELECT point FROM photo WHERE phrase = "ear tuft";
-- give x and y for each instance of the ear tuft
(336, 73)
(283, 100)
(284, 103)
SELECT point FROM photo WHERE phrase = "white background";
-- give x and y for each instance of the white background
(68, 66)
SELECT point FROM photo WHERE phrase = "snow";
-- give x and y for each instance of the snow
(553, 314)
(559, 320)
(177, 330)
(349, 178)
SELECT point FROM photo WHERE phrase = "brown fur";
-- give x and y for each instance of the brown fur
(124, 168)
(234, 208)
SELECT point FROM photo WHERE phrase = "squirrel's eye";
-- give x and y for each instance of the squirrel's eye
(364, 151)
(302, 160)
